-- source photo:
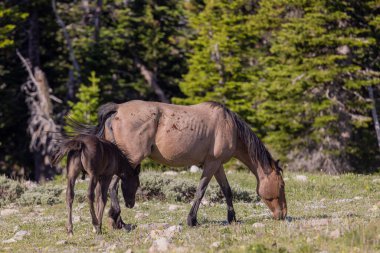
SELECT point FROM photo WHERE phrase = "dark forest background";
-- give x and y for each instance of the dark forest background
(304, 74)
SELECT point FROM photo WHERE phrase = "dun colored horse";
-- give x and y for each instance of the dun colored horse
(102, 160)
(206, 134)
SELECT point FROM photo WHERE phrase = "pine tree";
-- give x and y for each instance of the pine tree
(220, 52)
(313, 79)
(85, 110)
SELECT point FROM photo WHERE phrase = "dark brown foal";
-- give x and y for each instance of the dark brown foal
(101, 160)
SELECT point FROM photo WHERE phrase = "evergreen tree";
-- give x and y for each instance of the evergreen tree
(313, 79)
(85, 110)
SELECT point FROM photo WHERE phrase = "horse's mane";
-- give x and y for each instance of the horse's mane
(104, 112)
(256, 148)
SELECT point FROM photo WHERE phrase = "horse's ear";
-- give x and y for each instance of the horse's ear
(278, 162)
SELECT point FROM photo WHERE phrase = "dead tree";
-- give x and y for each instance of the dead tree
(41, 127)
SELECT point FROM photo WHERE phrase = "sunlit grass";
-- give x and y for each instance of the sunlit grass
(328, 213)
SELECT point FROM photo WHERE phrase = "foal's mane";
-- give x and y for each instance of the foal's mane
(255, 147)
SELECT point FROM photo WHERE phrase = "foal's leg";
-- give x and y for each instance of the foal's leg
(74, 166)
(114, 212)
(221, 178)
(91, 198)
(208, 171)
(104, 183)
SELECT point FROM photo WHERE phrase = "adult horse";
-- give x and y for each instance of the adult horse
(206, 134)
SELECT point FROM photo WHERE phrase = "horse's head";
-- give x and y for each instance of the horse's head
(129, 183)
(271, 189)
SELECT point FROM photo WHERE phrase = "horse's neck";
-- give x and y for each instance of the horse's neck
(242, 155)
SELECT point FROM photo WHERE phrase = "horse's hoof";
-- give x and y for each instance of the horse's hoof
(192, 222)
(231, 217)
(70, 234)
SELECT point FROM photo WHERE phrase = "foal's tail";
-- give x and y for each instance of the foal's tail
(64, 148)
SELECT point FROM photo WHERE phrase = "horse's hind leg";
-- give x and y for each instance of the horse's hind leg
(102, 198)
(221, 178)
(91, 198)
(209, 170)
(73, 168)
(114, 212)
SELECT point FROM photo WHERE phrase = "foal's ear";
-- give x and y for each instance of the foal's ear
(277, 162)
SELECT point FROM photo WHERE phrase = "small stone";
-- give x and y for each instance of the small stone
(205, 202)
(20, 235)
(173, 207)
(160, 245)
(230, 172)
(376, 180)
(335, 234)
(141, 215)
(61, 242)
(172, 231)
(76, 218)
(301, 178)
(170, 173)
(7, 212)
(152, 226)
(358, 198)
(215, 245)
(194, 169)
(258, 225)
(9, 241)
(318, 222)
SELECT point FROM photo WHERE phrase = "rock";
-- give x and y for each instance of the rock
(111, 248)
(301, 178)
(194, 169)
(335, 234)
(160, 245)
(172, 231)
(289, 218)
(152, 226)
(7, 212)
(61, 242)
(141, 215)
(173, 207)
(170, 173)
(76, 219)
(230, 172)
(205, 202)
(215, 245)
(358, 198)
(17, 237)
(318, 222)
(258, 225)
(376, 180)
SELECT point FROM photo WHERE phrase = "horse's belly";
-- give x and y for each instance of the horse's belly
(176, 152)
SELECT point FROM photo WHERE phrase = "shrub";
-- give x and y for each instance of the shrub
(44, 194)
(10, 190)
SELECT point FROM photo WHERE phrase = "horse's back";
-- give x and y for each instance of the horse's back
(175, 135)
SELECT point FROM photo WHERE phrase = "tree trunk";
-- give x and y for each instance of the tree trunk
(41, 127)
(374, 114)
(98, 11)
(151, 78)
(33, 39)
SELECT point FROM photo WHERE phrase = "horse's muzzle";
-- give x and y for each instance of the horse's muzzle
(130, 204)
(280, 214)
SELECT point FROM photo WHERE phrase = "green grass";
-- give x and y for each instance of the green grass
(329, 214)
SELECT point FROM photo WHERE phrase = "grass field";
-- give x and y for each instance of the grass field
(326, 214)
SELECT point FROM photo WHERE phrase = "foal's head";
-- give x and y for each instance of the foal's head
(272, 191)
(129, 183)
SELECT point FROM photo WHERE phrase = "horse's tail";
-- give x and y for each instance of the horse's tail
(66, 146)
(104, 112)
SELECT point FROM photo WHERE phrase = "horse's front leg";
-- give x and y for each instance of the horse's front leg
(221, 178)
(114, 212)
(102, 189)
(91, 198)
(208, 171)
